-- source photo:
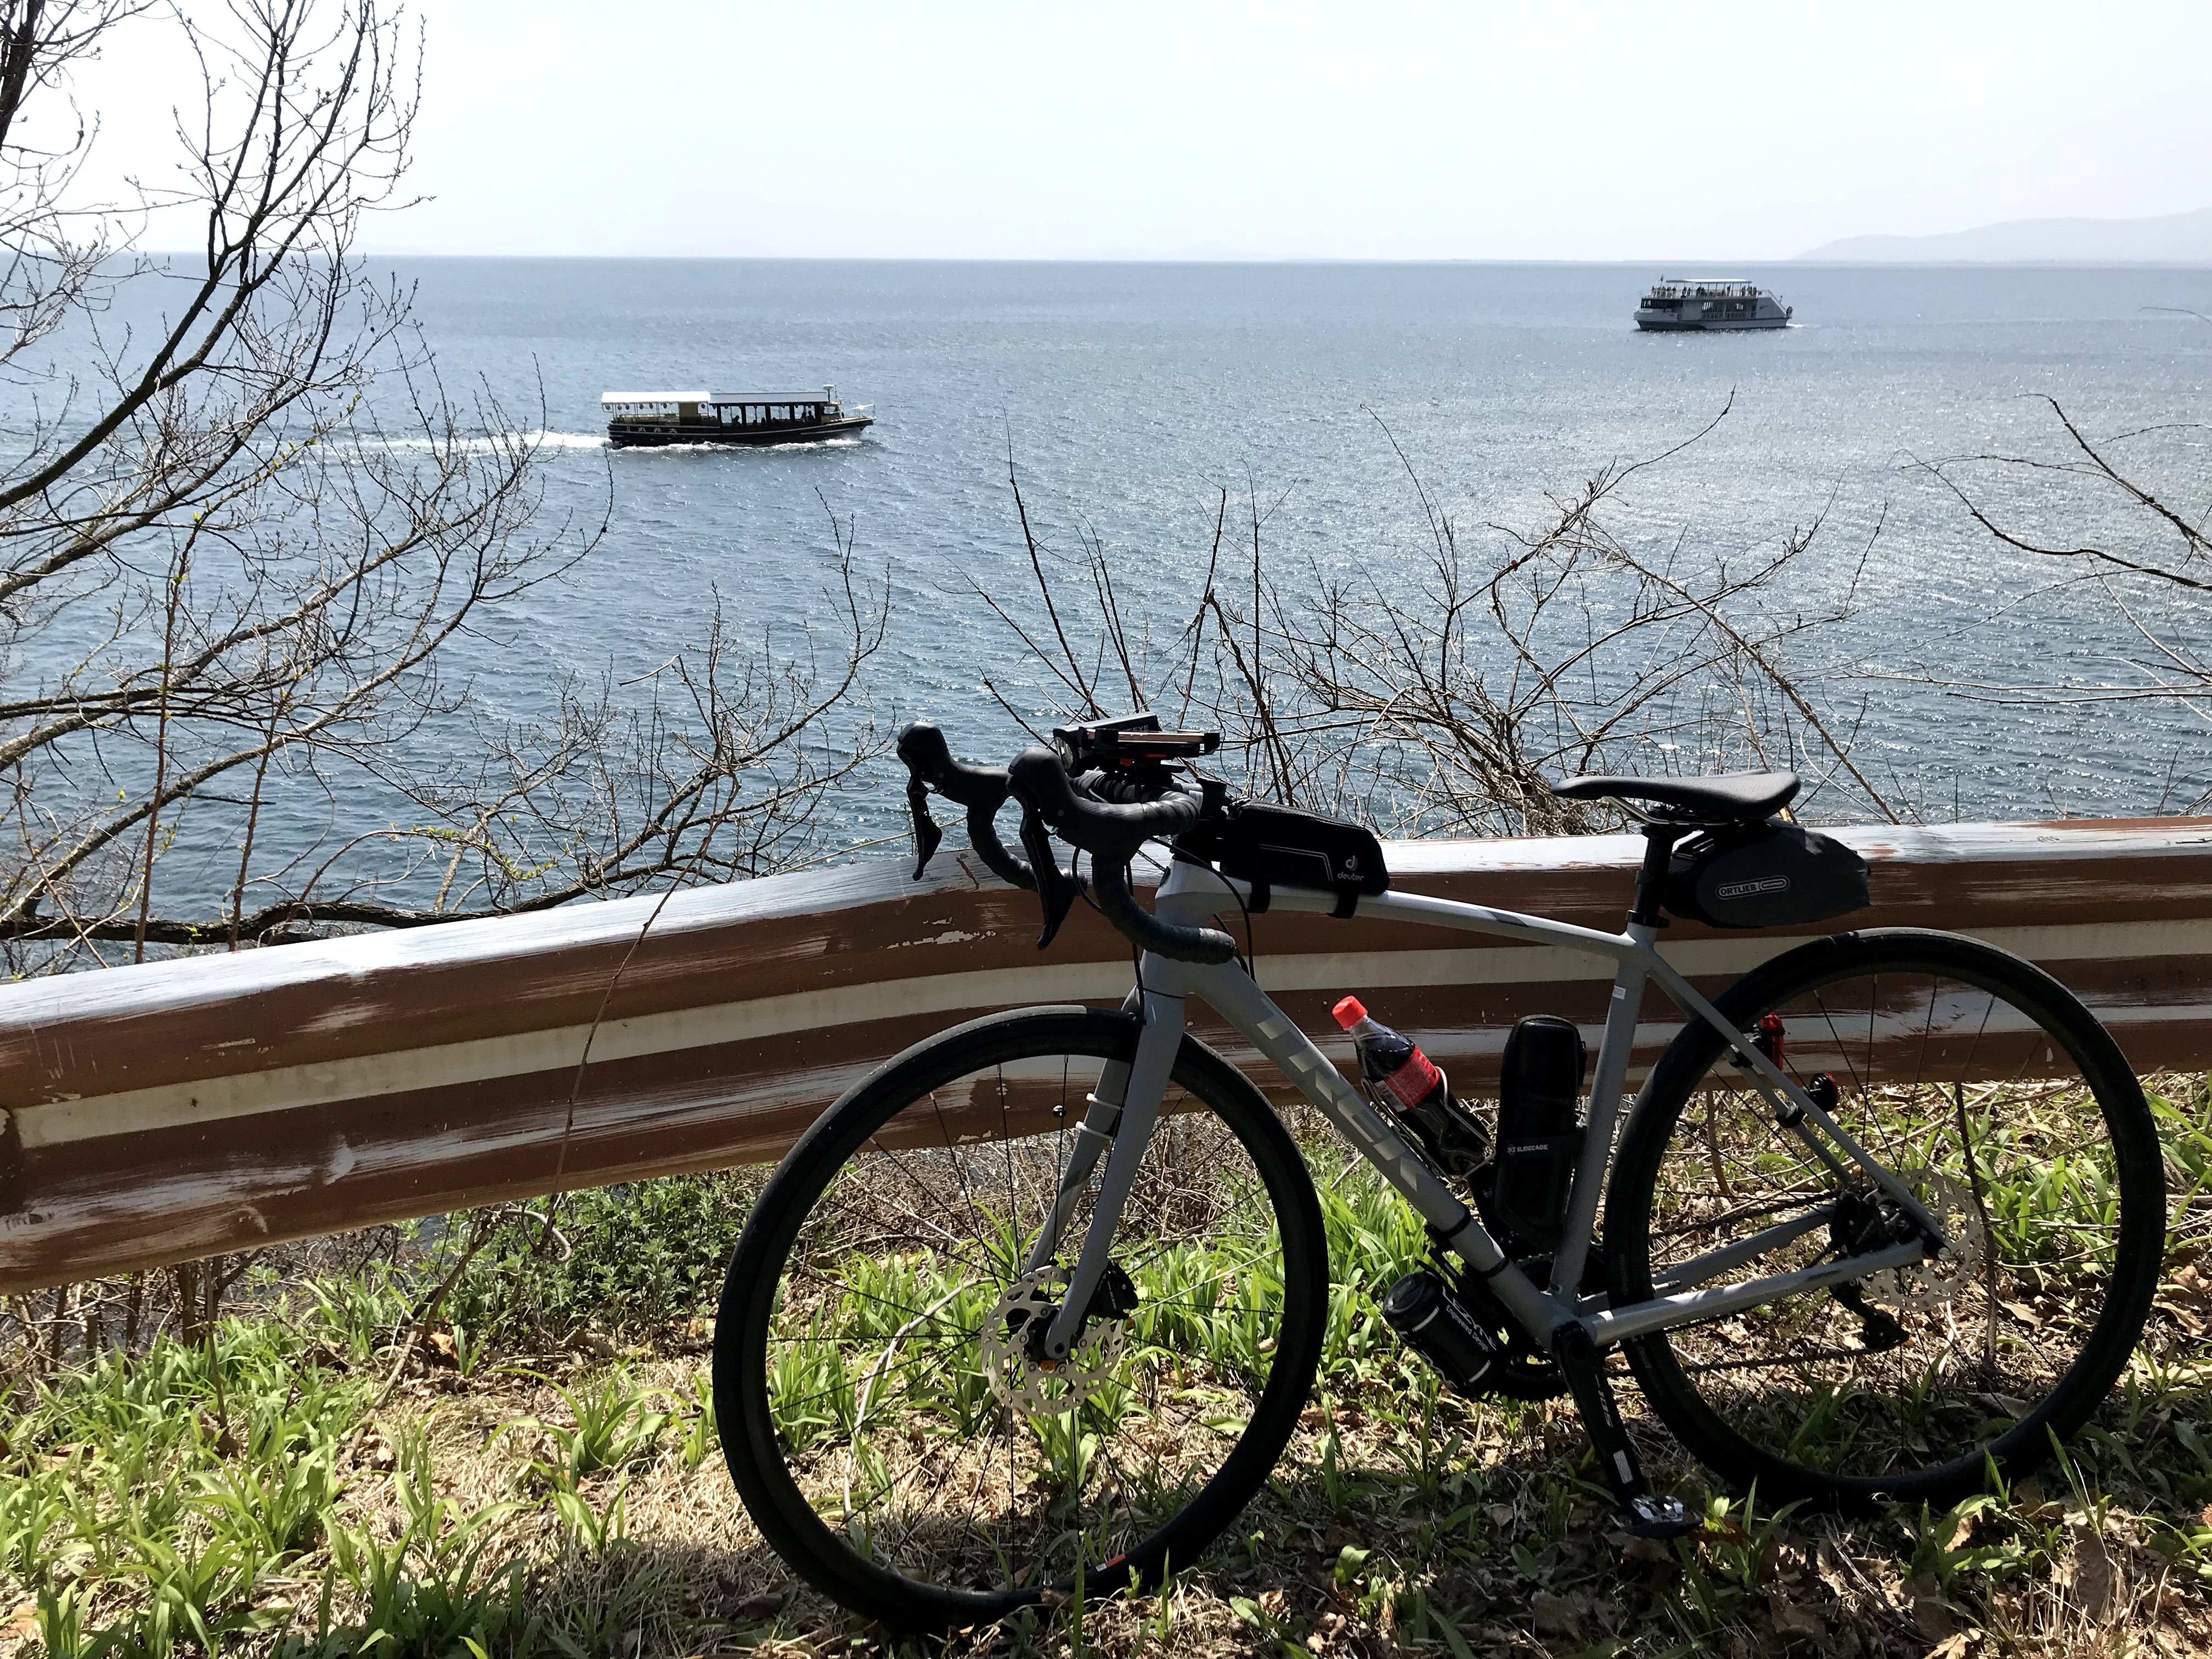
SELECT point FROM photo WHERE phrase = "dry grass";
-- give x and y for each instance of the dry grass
(574, 1502)
(1496, 1542)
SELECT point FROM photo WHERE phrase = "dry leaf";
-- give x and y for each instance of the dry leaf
(1555, 1615)
(2097, 1585)
(765, 1605)
(1632, 1548)
(1828, 1562)
(372, 1450)
(1960, 1532)
(2189, 1299)
(1930, 1612)
(22, 1622)
(1501, 1515)
(1795, 1618)
(1952, 1647)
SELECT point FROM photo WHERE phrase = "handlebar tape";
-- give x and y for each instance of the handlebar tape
(1111, 833)
(981, 789)
(1140, 926)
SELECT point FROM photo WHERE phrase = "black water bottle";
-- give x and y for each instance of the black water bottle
(1415, 1091)
(1430, 1319)
(1540, 1131)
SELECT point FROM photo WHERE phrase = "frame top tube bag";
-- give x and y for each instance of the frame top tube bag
(1270, 846)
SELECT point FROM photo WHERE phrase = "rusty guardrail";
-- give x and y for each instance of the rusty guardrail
(155, 1114)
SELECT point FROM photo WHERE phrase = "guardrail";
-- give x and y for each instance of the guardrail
(155, 1114)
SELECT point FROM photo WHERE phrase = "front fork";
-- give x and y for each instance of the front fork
(1118, 1121)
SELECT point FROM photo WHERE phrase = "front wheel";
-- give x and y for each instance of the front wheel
(892, 1434)
(2010, 1114)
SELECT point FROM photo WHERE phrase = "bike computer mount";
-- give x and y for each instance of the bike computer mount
(1129, 745)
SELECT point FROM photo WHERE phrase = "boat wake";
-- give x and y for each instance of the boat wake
(486, 443)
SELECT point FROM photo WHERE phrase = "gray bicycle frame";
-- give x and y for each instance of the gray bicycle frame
(1125, 1105)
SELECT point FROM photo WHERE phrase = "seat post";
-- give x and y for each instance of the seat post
(1659, 841)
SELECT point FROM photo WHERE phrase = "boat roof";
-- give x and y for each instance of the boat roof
(820, 394)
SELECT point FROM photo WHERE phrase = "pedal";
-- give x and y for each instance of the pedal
(1642, 1513)
(1650, 1516)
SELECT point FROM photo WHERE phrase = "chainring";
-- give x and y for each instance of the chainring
(1026, 1385)
(1932, 1281)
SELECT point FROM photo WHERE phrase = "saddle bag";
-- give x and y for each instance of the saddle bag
(1270, 846)
(1764, 875)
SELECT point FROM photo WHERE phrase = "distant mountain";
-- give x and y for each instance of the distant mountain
(2184, 239)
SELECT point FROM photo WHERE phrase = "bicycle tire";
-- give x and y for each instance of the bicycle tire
(1723, 1435)
(827, 1556)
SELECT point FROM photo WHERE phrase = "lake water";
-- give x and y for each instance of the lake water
(1131, 394)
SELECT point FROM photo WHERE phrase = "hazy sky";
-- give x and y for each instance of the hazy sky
(1531, 130)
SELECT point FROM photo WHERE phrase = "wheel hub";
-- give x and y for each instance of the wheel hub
(1040, 1388)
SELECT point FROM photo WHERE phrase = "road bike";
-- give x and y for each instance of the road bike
(1039, 1304)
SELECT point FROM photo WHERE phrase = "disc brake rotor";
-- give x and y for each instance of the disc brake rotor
(1023, 1384)
(1932, 1281)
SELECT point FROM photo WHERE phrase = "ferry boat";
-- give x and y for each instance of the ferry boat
(729, 418)
(1710, 302)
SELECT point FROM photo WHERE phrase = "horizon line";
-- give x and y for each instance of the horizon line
(1803, 259)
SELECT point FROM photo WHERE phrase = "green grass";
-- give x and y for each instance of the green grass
(250, 1494)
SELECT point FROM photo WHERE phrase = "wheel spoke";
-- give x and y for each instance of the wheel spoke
(1925, 1367)
(892, 1430)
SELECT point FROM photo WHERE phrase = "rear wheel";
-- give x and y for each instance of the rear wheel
(890, 1431)
(2012, 1116)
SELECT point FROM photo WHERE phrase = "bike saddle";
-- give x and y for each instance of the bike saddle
(1731, 797)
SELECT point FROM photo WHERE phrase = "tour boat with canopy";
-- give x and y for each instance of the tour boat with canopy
(729, 418)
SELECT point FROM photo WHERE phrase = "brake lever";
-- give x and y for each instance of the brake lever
(927, 838)
(1055, 887)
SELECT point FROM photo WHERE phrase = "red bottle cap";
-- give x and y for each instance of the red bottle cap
(1349, 1012)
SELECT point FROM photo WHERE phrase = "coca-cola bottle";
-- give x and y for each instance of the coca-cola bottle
(1415, 1091)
